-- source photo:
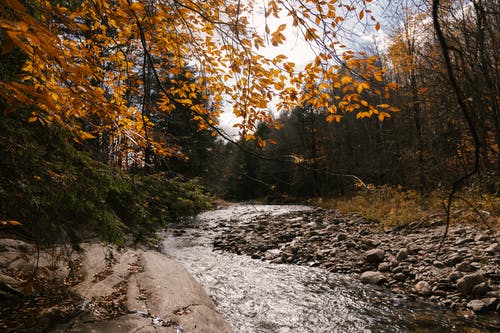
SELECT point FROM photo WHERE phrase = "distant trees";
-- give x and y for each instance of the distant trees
(430, 142)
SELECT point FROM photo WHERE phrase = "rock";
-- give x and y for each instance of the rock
(453, 260)
(399, 277)
(492, 248)
(7, 244)
(341, 237)
(272, 254)
(438, 264)
(481, 238)
(464, 267)
(423, 288)
(468, 282)
(402, 254)
(480, 290)
(373, 277)
(384, 267)
(374, 256)
(478, 305)
(455, 275)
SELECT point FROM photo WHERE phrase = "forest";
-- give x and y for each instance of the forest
(130, 136)
(111, 112)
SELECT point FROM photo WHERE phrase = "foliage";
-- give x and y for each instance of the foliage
(60, 193)
(90, 64)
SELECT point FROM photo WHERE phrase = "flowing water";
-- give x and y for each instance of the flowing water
(256, 296)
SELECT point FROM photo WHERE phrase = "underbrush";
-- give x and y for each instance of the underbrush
(394, 206)
(59, 193)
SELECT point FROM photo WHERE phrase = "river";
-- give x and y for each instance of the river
(261, 297)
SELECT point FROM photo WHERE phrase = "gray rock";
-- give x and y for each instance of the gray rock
(373, 277)
(272, 254)
(468, 282)
(402, 254)
(374, 256)
(423, 288)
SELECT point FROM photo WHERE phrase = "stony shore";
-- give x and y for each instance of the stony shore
(464, 275)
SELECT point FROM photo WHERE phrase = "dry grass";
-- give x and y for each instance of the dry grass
(393, 206)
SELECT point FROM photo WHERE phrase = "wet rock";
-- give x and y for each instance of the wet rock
(272, 254)
(373, 277)
(374, 256)
(402, 254)
(466, 284)
(423, 288)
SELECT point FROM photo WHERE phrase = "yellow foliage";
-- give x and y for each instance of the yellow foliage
(85, 73)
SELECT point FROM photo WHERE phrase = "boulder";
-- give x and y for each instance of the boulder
(374, 256)
(373, 277)
(466, 284)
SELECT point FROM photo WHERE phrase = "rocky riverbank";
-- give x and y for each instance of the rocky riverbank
(465, 275)
(100, 289)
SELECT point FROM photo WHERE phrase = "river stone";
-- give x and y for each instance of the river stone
(341, 237)
(453, 260)
(373, 277)
(399, 277)
(464, 267)
(402, 254)
(480, 290)
(438, 264)
(384, 267)
(478, 305)
(481, 238)
(468, 282)
(492, 248)
(374, 256)
(455, 275)
(423, 288)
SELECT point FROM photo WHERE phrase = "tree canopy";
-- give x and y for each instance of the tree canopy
(94, 66)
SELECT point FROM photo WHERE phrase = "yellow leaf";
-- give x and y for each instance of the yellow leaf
(377, 26)
(361, 14)
(345, 80)
(11, 222)
(32, 119)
